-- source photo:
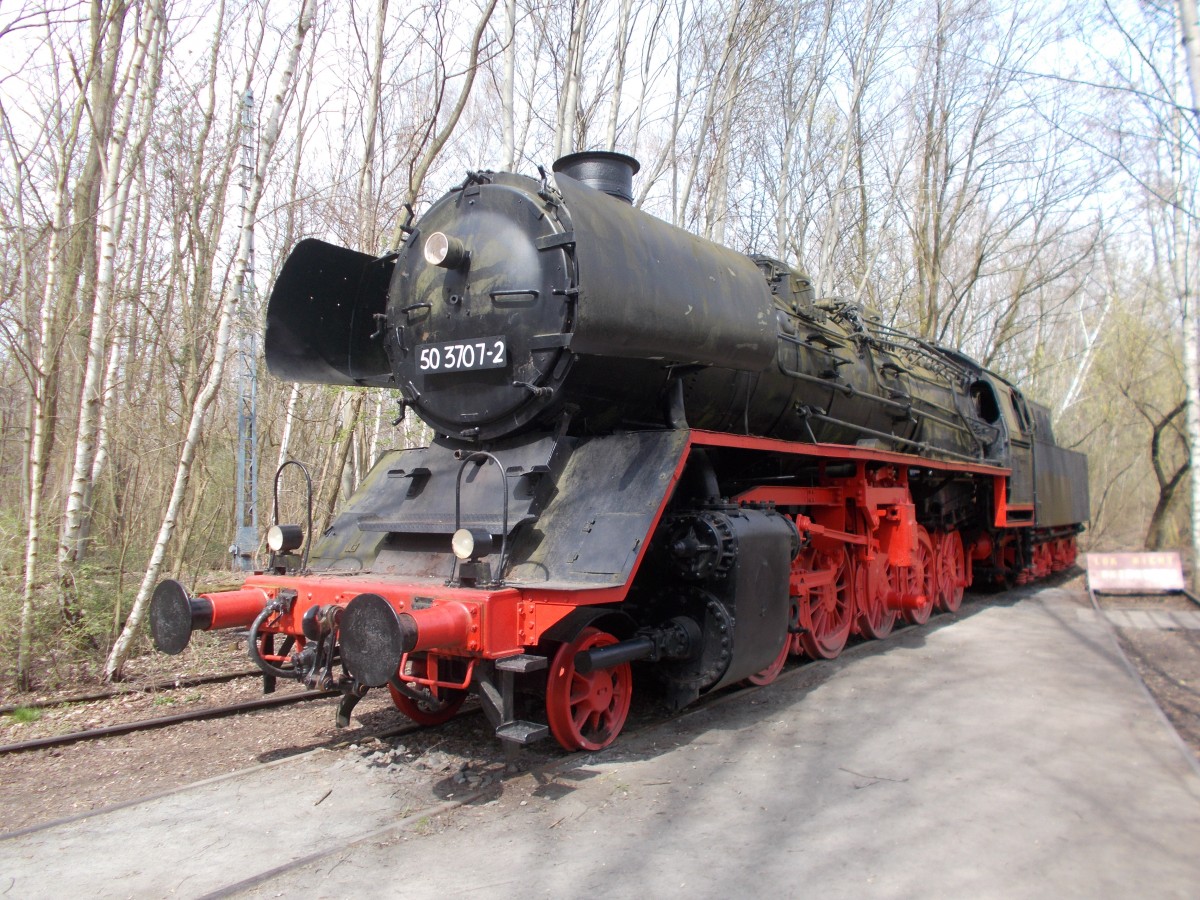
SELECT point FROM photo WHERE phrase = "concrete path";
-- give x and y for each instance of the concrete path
(1009, 753)
(191, 842)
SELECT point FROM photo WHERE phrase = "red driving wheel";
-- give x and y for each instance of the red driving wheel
(920, 582)
(876, 614)
(952, 571)
(587, 712)
(875, 617)
(828, 612)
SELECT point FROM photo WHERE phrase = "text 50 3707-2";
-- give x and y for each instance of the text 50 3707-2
(482, 353)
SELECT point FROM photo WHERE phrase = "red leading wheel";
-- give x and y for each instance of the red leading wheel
(827, 615)
(920, 582)
(951, 571)
(587, 712)
(436, 704)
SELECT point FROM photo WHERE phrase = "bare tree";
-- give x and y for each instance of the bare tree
(44, 351)
(119, 159)
(1169, 474)
(1191, 318)
(620, 53)
(286, 87)
(508, 157)
(1146, 91)
(432, 143)
(568, 101)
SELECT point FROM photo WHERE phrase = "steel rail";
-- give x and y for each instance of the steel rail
(165, 684)
(198, 715)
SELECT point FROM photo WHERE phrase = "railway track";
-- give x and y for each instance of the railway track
(152, 687)
(197, 715)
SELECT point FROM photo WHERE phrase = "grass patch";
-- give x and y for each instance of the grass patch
(24, 715)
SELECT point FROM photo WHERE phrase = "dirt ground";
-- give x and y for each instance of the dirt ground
(1168, 660)
(1169, 663)
(43, 785)
(39, 786)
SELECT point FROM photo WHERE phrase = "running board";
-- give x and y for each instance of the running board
(517, 731)
(521, 732)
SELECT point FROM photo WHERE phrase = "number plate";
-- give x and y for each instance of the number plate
(463, 356)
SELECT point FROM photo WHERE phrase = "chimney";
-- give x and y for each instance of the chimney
(600, 169)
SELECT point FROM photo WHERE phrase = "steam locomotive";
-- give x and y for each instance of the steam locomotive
(653, 455)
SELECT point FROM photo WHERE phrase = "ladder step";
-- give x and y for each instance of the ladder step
(526, 662)
(522, 732)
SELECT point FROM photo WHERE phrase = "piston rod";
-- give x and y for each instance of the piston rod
(613, 655)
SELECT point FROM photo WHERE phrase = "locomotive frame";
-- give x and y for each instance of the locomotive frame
(611, 489)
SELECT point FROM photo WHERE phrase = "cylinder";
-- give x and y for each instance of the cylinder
(374, 639)
(613, 655)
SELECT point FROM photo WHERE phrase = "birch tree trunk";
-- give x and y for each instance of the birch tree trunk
(718, 74)
(108, 394)
(41, 402)
(343, 477)
(647, 61)
(1191, 378)
(366, 181)
(289, 419)
(744, 37)
(289, 237)
(40, 431)
(614, 109)
(794, 239)
(124, 644)
(930, 193)
(119, 162)
(376, 429)
(78, 268)
(508, 158)
(350, 415)
(862, 69)
(1190, 31)
(568, 104)
(1191, 316)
